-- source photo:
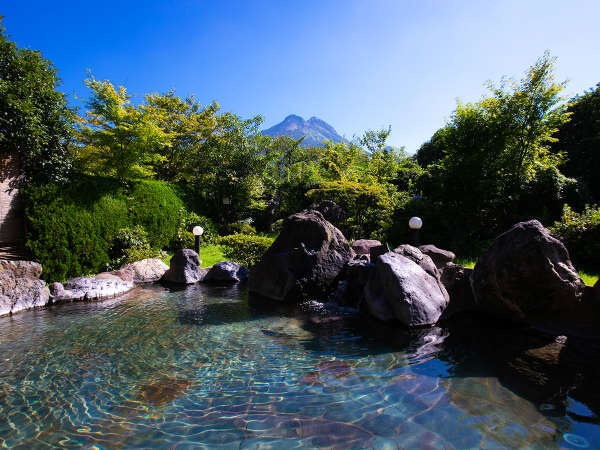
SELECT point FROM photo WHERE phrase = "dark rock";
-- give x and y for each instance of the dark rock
(400, 290)
(28, 269)
(303, 262)
(457, 281)
(415, 255)
(20, 288)
(440, 257)
(377, 251)
(184, 267)
(56, 290)
(363, 246)
(226, 272)
(525, 275)
(332, 212)
(354, 277)
(147, 270)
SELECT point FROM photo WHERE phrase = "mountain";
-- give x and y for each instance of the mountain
(317, 131)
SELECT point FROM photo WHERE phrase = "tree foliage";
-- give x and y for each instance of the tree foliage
(579, 140)
(118, 138)
(491, 153)
(36, 122)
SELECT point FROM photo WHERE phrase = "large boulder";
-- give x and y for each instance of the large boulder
(332, 212)
(226, 272)
(457, 281)
(526, 274)
(147, 270)
(28, 269)
(417, 256)
(184, 268)
(400, 290)
(363, 246)
(20, 287)
(439, 256)
(303, 262)
(353, 278)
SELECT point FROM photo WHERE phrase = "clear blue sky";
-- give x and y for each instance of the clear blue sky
(356, 64)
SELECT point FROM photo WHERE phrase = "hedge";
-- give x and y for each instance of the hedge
(71, 228)
(245, 249)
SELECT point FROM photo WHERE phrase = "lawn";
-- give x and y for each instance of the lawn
(587, 278)
(209, 255)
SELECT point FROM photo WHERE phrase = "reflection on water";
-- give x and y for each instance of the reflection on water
(203, 366)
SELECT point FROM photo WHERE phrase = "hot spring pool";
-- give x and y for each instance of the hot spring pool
(202, 367)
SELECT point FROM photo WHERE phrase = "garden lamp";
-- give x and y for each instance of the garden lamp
(198, 230)
(415, 224)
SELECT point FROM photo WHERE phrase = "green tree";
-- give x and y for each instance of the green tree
(579, 139)
(229, 168)
(495, 151)
(369, 206)
(120, 139)
(189, 125)
(35, 121)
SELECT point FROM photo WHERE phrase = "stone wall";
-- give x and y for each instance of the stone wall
(11, 212)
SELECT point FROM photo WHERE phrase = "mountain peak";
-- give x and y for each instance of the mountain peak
(315, 131)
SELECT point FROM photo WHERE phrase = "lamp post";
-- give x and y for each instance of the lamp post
(198, 230)
(415, 224)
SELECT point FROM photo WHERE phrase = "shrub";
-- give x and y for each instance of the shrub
(245, 249)
(134, 254)
(155, 206)
(129, 237)
(240, 227)
(130, 245)
(369, 206)
(187, 221)
(72, 228)
(67, 238)
(581, 234)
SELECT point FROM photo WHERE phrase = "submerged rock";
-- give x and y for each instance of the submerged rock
(20, 286)
(400, 290)
(184, 268)
(526, 274)
(226, 272)
(147, 270)
(303, 262)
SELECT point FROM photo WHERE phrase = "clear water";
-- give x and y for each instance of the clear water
(202, 367)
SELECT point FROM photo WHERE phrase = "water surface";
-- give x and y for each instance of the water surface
(203, 367)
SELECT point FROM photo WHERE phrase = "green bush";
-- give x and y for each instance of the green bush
(72, 229)
(155, 206)
(240, 227)
(369, 207)
(67, 238)
(581, 234)
(129, 237)
(187, 221)
(245, 249)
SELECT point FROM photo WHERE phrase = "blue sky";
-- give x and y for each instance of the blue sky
(356, 64)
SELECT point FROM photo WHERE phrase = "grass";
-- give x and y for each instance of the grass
(209, 256)
(587, 278)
